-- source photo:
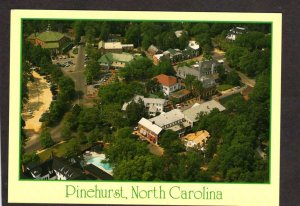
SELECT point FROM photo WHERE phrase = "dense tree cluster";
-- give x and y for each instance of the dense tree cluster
(250, 53)
(131, 160)
(142, 69)
(231, 78)
(231, 153)
(46, 139)
(237, 133)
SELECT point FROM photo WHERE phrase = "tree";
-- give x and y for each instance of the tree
(105, 31)
(233, 78)
(166, 40)
(164, 67)
(66, 132)
(199, 28)
(233, 55)
(141, 168)
(152, 86)
(197, 87)
(78, 27)
(147, 41)
(30, 157)
(194, 85)
(93, 136)
(119, 92)
(67, 88)
(189, 81)
(90, 33)
(150, 29)
(46, 139)
(89, 118)
(135, 111)
(125, 149)
(170, 142)
(250, 40)
(183, 40)
(254, 63)
(92, 71)
(72, 148)
(113, 115)
(138, 69)
(221, 73)
(133, 35)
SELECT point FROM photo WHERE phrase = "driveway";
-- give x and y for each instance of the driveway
(77, 73)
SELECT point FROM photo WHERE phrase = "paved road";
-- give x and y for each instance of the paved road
(246, 80)
(33, 143)
(77, 75)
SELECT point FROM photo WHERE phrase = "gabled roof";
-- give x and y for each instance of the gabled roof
(50, 36)
(149, 125)
(152, 47)
(51, 45)
(146, 101)
(207, 64)
(167, 118)
(97, 172)
(65, 168)
(205, 107)
(109, 58)
(166, 80)
(32, 36)
(40, 169)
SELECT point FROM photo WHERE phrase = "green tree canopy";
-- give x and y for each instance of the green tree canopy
(46, 139)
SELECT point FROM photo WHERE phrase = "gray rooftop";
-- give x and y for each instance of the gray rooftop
(146, 101)
(167, 118)
(205, 107)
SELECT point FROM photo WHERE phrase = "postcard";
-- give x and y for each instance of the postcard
(162, 108)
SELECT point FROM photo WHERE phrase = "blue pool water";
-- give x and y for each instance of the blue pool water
(97, 161)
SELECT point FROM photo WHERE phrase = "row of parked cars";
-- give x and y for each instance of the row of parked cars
(66, 64)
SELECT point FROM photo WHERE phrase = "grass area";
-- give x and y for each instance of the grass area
(224, 87)
(58, 150)
(229, 98)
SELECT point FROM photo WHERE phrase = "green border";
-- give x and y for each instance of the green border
(142, 20)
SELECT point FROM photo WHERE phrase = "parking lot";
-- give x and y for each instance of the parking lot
(65, 62)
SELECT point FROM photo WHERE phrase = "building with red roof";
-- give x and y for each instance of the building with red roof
(169, 84)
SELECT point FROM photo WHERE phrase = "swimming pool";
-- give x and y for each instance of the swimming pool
(96, 159)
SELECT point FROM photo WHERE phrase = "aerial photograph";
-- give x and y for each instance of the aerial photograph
(145, 101)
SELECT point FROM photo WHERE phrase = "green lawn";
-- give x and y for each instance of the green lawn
(58, 150)
(224, 87)
(227, 99)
